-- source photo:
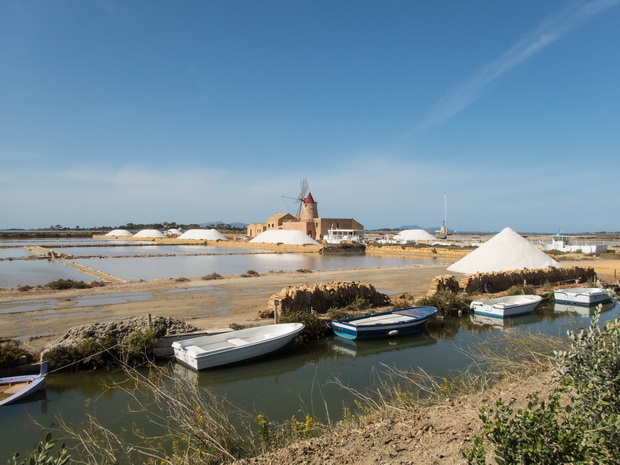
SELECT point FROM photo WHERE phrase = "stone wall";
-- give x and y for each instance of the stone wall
(500, 281)
(321, 297)
(409, 250)
(443, 283)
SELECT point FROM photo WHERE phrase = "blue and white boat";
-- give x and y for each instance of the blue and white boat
(383, 324)
(507, 306)
(584, 296)
(16, 388)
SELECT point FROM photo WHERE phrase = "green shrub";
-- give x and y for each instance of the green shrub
(104, 352)
(62, 284)
(140, 345)
(314, 327)
(43, 454)
(521, 290)
(250, 274)
(579, 421)
(11, 354)
(212, 276)
(446, 302)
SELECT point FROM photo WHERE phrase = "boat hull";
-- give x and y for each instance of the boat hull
(384, 324)
(29, 385)
(583, 296)
(506, 307)
(224, 349)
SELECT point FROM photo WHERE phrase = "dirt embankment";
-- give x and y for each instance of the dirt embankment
(438, 434)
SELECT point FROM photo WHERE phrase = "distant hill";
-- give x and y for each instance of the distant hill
(212, 224)
(428, 230)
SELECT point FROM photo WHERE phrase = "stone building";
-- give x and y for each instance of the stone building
(307, 221)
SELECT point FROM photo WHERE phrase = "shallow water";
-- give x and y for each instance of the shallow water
(17, 273)
(295, 381)
(224, 261)
(133, 269)
(13, 252)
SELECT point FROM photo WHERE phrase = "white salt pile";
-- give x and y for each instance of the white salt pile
(506, 251)
(284, 237)
(119, 233)
(149, 233)
(203, 234)
(414, 235)
(174, 232)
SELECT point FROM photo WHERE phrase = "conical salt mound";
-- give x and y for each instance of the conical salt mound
(506, 251)
(203, 234)
(414, 235)
(275, 236)
(150, 233)
(119, 233)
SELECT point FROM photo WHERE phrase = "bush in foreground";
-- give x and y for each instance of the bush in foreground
(578, 423)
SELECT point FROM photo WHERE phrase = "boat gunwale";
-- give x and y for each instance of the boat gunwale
(411, 319)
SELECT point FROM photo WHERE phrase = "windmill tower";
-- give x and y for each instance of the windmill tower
(307, 209)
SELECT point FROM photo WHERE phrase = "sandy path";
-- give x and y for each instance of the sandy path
(206, 304)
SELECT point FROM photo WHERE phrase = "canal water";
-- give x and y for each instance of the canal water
(297, 381)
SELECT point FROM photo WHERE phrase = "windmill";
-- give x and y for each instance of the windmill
(303, 192)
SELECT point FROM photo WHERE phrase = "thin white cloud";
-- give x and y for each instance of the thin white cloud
(464, 94)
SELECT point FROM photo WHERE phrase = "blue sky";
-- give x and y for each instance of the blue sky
(148, 111)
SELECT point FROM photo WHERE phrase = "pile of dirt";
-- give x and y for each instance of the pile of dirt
(121, 330)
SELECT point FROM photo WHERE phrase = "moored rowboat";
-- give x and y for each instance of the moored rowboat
(507, 306)
(383, 324)
(585, 296)
(16, 388)
(204, 352)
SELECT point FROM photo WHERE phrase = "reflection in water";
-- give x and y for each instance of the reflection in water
(582, 310)
(361, 348)
(506, 322)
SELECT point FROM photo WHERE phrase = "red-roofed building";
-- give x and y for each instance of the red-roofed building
(307, 221)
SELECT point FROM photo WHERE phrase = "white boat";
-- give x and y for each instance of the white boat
(16, 388)
(507, 306)
(585, 296)
(235, 346)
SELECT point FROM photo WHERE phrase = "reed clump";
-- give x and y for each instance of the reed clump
(194, 426)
